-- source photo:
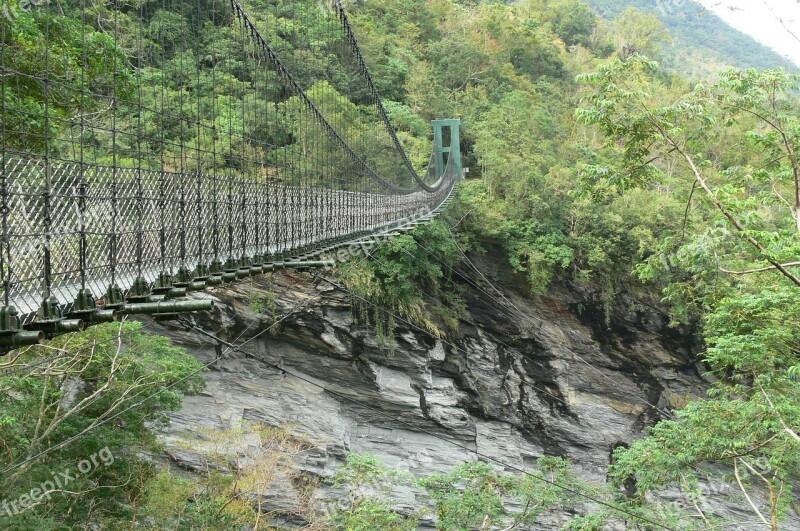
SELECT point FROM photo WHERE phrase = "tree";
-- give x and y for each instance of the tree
(574, 22)
(80, 396)
(26, 97)
(636, 32)
(476, 496)
(367, 503)
(749, 421)
(749, 220)
(685, 130)
(238, 466)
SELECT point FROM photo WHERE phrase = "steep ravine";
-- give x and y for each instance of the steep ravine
(563, 384)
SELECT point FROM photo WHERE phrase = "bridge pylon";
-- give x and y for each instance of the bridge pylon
(446, 145)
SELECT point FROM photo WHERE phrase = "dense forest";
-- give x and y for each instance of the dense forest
(591, 164)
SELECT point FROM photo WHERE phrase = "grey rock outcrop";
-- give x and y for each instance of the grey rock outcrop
(549, 378)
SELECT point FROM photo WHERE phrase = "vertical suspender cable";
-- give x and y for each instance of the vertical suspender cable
(269, 167)
(288, 124)
(244, 163)
(283, 118)
(256, 159)
(47, 168)
(265, 213)
(114, 107)
(201, 258)
(5, 251)
(139, 125)
(162, 244)
(299, 143)
(180, 182)
(229, 171)
(215, 235)
(83, 184)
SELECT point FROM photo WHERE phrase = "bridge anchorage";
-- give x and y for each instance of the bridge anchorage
(149, 150)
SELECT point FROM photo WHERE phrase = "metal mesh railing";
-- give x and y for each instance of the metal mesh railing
(110, 225)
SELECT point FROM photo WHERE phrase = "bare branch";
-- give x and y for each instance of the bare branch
(758, 270)
(781, 21)
(747, 495)
(700, 512)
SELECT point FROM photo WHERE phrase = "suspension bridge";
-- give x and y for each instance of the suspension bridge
(153, 148)
(149, 148)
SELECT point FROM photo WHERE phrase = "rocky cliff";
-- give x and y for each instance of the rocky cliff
(551, 378)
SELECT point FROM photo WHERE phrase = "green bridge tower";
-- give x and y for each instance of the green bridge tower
(447, 143)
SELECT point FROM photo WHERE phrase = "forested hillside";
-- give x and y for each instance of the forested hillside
(591, 166)
(699, 36)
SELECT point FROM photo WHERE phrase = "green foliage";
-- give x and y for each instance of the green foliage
(516, 103)
(403, 276)
(636, 32)
(471, 495)
(741, 222)
(474, 495)
(367, 505)
(25, 98)
(607, 199)
(77, 381)
(239, 465)
(174, 502)
(744, 423)
(744, 192)
(574, 22)
(466, 496)
(369, 514)
(175, 64)
(360, 470)
(264, 304)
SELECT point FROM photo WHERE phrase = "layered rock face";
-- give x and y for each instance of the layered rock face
(546, 377)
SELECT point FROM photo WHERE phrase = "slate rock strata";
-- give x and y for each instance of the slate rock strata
(558, 381)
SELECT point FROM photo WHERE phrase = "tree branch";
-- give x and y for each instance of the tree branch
(747, 495)
(729, 215)
(686, 213)
(758, 270)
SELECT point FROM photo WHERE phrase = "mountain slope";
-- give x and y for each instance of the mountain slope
(703, 42)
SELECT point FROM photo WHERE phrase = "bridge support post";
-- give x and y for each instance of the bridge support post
(447, 144)
(50, 319)
(11, 335)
